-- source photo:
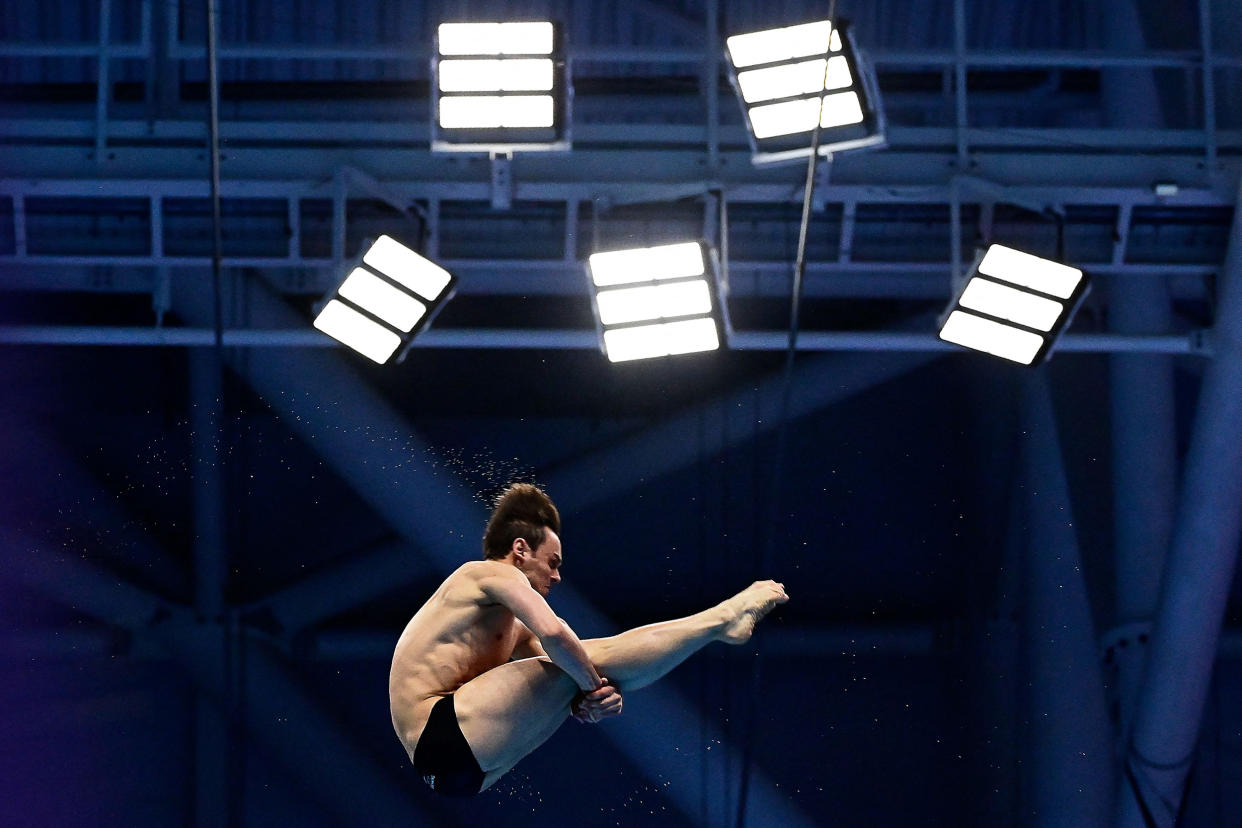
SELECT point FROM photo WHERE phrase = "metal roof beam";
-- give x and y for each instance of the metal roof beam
(523, 277)
(305, 337)
(563, 183)
(670, 164)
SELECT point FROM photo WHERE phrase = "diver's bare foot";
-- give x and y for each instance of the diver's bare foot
(748, 606)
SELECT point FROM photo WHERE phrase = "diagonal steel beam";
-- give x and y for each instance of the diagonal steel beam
(293, 728)
(667, 19)
(312, 745)
(345, 585)
(1198, 572)
(156, 626)
(78, 584)
(340, 417)
(44, 476)
(728, 420)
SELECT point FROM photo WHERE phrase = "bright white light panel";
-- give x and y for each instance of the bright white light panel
(497, 78)
(384, 300)
(1014, 305)
(655, 301)
(496, 38)
(781, 76)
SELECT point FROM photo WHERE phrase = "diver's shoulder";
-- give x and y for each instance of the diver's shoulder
(478, 570)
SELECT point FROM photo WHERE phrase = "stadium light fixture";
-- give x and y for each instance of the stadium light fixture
(1014, 305)
(388, 296)
(499, 88)
(781, 75)
(657, 301)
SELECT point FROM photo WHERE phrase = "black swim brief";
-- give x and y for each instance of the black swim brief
(443, 755)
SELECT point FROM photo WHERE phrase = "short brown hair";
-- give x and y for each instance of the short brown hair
(522, 511)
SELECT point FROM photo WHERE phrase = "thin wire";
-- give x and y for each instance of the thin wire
(234, 653)
(213, 151)
(782, 436)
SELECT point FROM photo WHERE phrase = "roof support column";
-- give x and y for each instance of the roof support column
(1143, 423)
(1144, 448)
(213, 733)
(1197, 575)
(1069, 771)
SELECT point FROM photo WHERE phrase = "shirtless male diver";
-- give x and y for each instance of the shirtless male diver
(485, 672)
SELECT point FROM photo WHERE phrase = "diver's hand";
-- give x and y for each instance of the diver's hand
(590, 708)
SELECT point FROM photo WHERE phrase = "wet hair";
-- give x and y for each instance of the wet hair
(521, 511)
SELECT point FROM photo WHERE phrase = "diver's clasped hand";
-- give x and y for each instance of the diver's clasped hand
(590, 708)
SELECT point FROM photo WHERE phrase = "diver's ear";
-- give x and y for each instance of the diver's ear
(519, 548)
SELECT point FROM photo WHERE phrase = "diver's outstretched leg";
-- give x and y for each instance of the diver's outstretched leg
(512, 709)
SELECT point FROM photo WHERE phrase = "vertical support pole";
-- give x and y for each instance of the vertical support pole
(157, 227)
(164, 68)
(711, 85)
(571, 231)
(597, 207)
(994, 585)
(433, 228)
(211, 756)
(1121, 233)
(150, 51)
(19, 225)
(955, 231)
(1144, 443)
(104, 86)
(726, 279)
(161, 296)
(145, 40)
(711, 219)
(339, 217)
(1198, 572)
(1069, 775)
(1002, 654)
(206, 422)
(1209, 86)
(295, 228)
(172, 29)
(1130, 96)
(845, 250)
(959, 97)
(502, 180)
(987, 213)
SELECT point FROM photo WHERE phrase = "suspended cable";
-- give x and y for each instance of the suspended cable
(213, 153)
(782, 434)
(233, 643)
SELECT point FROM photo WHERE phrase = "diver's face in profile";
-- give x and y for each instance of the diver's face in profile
(542, 565)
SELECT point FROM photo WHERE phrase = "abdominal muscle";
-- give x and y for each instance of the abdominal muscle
(450, 640)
